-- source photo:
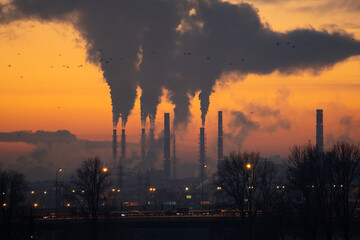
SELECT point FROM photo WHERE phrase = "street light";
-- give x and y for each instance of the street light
(153, 190)
(105, 169)
(248, 166)
(56, 189)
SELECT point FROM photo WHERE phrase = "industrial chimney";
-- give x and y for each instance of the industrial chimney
(220, 138)
(142, 143)
(319, 131)
(174, 157)
(202, 160)
(123, 144)
(123, 156)
(167, 173)
(114, 145)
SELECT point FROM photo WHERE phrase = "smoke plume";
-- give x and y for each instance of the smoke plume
(181, 45)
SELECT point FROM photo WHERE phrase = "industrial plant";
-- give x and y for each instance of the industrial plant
(162, 189)
(144, 185)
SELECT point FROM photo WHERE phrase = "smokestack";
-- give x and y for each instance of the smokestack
(319, 131)
(114, 145)
(167, 173)
(202, 160)
(123, 156)
(143, 142)
(123, 144)
(174, 158)
(220, 138)
(202, 152)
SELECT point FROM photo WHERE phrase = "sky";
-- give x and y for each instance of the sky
(52, 78)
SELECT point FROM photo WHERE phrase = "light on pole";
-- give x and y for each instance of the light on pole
(56, 190)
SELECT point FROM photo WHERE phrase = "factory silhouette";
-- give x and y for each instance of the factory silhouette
(146, 186)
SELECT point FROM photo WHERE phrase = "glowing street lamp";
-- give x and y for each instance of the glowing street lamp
(105, 169)
(248, 166)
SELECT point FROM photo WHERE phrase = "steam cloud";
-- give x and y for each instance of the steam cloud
(181, 45)
(348, 131)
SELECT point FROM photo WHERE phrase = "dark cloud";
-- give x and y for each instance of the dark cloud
(321, 5)
(184, 46)
(38, 137)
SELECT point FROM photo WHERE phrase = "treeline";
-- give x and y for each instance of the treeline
(317, 199)
(88, 193)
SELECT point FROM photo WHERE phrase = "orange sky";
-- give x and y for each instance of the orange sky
(34, 96)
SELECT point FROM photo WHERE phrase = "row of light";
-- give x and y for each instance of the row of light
(35, 204)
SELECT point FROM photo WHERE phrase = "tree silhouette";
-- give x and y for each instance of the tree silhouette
(324, 186)
(346, 159)
(13, 188)
(89, 195)
(247, 182)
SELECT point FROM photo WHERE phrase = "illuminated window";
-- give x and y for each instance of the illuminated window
(188, 196)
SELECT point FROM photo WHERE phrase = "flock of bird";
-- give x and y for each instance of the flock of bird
(110, 59)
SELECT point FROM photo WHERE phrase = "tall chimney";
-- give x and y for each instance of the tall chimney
(202, 160)
(220, 138)
(115, 159)
(123, 156)
(143, 147)
(123, 144)
(174, 157)
(167, 173)
(114, 145)
(319, 131)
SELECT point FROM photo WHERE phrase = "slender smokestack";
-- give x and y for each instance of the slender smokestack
(174, 157)
(202, 148)
(143, 147)
(220, 137)
(123, 156)
(167, 173)
(114, 145)
(202, 160)
(123, 144)
(319, 131)
(150, 157)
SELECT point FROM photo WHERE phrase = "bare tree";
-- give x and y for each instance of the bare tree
(13, 187)
(322, 186)
(346, 158)
(247, 182)
(303, 170)
(90, 182)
